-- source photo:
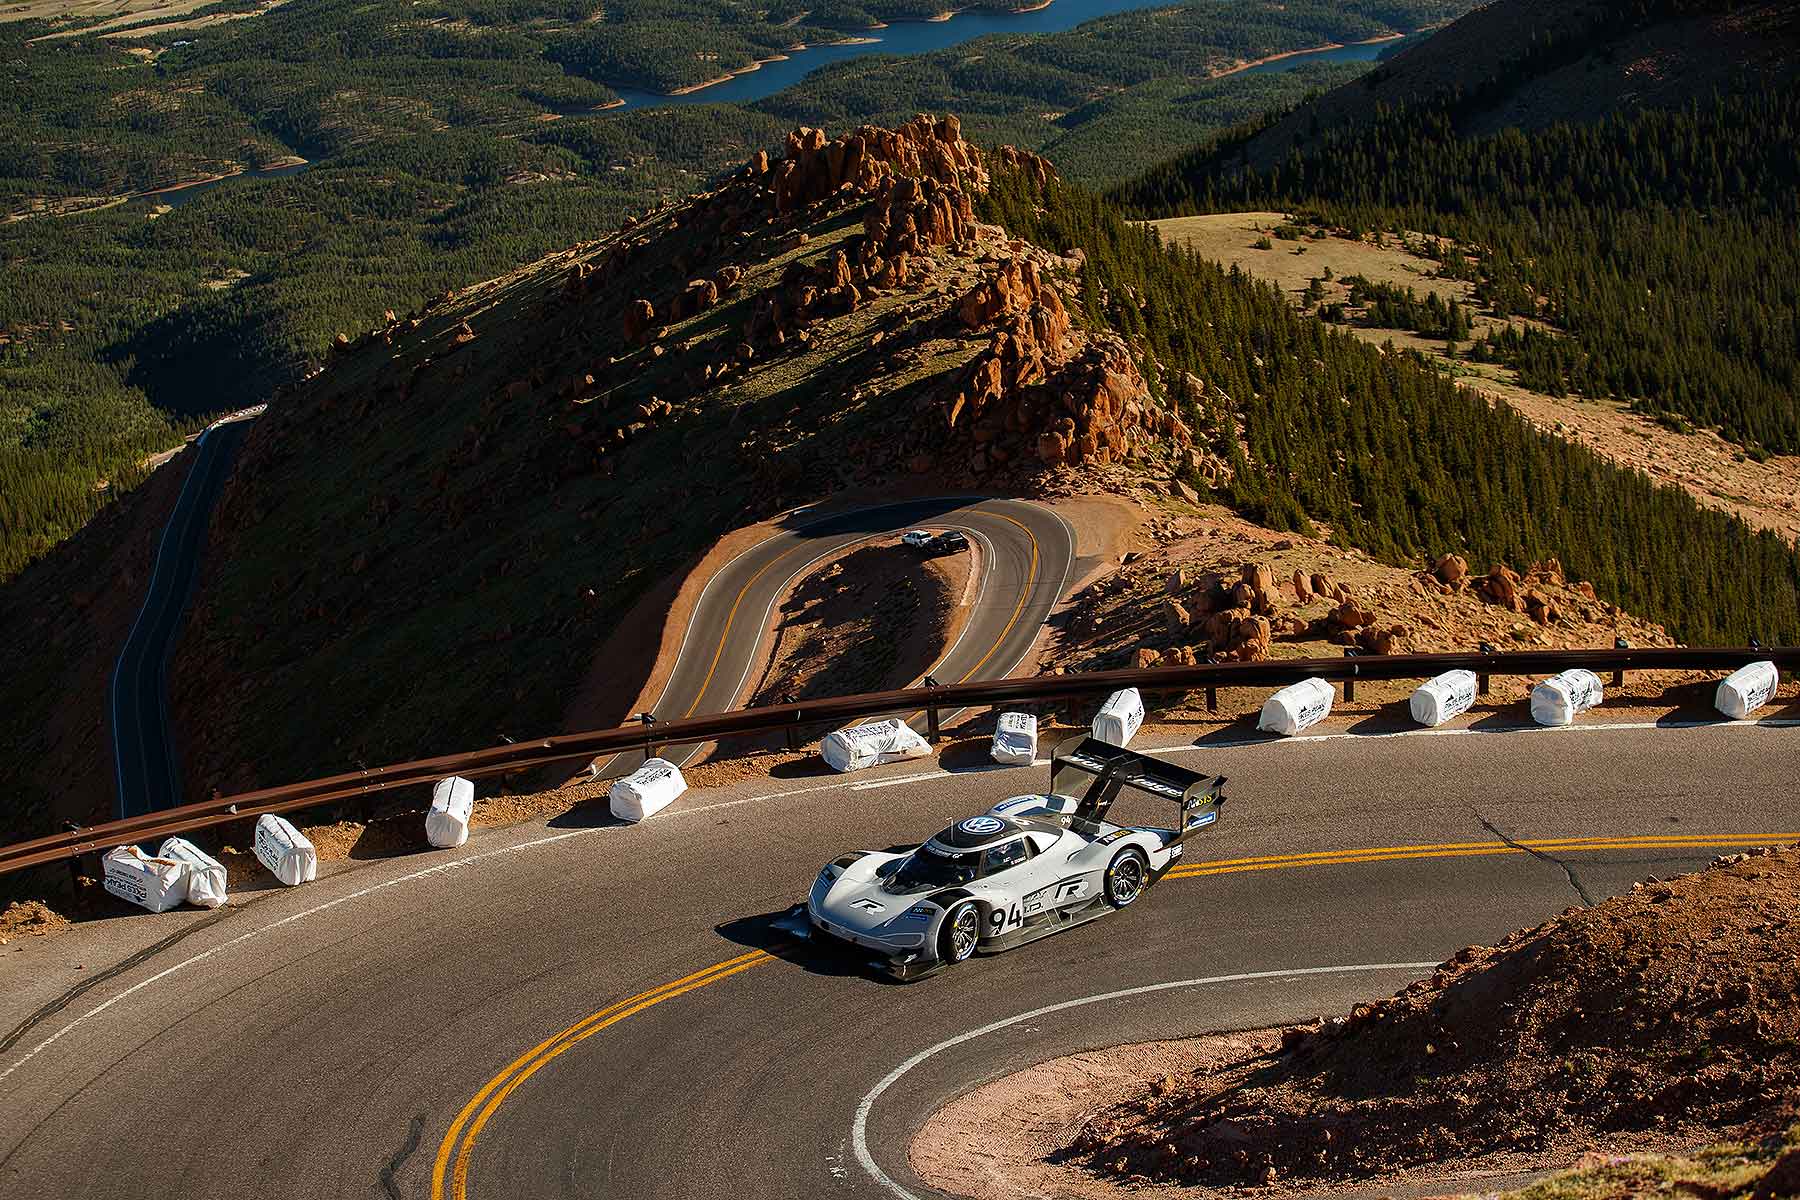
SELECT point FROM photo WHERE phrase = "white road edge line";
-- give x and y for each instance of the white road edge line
(434, 869)
(859, 1129)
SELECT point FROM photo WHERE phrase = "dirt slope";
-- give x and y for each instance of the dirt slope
(1208, 584)
(1671, 1011)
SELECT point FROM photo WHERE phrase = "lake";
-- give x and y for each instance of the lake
(1360, 52)
(920, 37)
(175, 197)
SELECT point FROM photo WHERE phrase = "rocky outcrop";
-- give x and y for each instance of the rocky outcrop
(1012, 290)
(812, 167)
(912, 215)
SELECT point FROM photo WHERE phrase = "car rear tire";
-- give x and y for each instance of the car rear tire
(1127, 877)
(960, 933)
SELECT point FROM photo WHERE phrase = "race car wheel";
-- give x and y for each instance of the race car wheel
(960, 933)
(1126, 877)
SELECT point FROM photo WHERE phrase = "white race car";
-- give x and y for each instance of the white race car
(918, 539)
(1028, 867)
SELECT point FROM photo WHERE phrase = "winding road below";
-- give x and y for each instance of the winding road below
(1028, 552)
(590, 1010)
(144, 760)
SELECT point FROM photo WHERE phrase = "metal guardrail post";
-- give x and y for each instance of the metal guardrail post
(648, 719)
(1212, 699)
(932, 733)
(1481, 677)
(1350, 680)
(793, 726)
(1619, 643)
(74, 860)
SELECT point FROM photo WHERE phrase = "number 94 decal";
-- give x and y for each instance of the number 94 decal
(1005, 918)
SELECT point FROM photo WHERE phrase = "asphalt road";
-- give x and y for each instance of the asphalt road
(372, 1034)
(1027, 552)
(144, 760)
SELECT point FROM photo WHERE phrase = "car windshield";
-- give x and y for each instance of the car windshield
(926, 868)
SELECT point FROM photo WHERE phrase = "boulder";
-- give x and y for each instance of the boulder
(1539, 607)
(1501, 586)
(1302, 587)
(1261, 579)
(640, 315)
(1452, 569)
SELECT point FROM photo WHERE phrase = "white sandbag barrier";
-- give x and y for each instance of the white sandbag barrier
(1015, 740)
(1746, 689)
(1559, 699)
(452, 800)
(1119, 718)
(157, 884)
(1444, 696)
(1295, 707)
(285, 850)
(870, 745)
(205, 874)
(646, 791)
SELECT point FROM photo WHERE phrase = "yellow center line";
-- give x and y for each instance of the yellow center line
(1018, 609)
(534, 1058)
(1474, 849)
(1535, 844)
(725, 634)
(1024, 595)
(450, 1171)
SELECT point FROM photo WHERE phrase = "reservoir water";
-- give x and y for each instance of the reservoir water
(175, 197)
(919, 37)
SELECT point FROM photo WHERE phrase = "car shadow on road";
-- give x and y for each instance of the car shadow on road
(772, 934)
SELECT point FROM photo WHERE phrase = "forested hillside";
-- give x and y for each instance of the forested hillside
(1656, 243)
(448, 143)
(1393, 458)
(1110, 98)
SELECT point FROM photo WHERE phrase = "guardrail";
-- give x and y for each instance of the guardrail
(576, 747)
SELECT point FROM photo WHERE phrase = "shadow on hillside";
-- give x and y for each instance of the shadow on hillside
(391, 835)
(810, 767)
(967, 753)
(1240, 732)
(593, 813)
(1509, 717)
(1389, 718)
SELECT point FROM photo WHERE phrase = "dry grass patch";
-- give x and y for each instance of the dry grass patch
(1714, 471)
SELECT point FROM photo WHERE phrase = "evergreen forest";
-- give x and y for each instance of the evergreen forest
(1652, 253)
(1324, 430)
(420, 147)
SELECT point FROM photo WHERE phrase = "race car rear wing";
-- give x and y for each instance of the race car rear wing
(1093, 773)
